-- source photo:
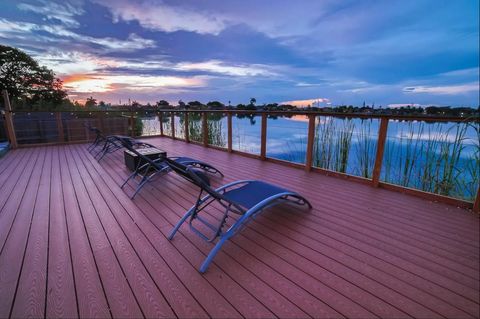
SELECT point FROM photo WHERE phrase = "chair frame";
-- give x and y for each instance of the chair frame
(158, 165)
(217, 195)
(99, 137)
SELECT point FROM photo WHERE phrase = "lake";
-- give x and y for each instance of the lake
(437, 157)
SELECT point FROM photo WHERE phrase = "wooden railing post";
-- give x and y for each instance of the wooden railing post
(160, 119)
(382, 136)
(476, 204)
(187, 133)
(205, 128)
(132, 125)
(9, 121)
(58, 119)
(263, 138)
(310, 142)
(229, 132)
(172, 123)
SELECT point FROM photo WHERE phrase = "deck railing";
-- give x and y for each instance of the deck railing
(429, 177)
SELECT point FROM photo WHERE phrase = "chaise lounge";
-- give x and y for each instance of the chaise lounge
(246, 198)
(149, 168)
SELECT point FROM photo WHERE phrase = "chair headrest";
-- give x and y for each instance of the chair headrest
(200, 174)
(191, 174)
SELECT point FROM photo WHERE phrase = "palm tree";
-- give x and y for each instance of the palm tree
(253, 101)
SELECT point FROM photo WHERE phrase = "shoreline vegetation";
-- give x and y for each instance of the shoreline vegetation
(438, 157)
(92, 104)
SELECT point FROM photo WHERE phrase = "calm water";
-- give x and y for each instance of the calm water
(417, 154)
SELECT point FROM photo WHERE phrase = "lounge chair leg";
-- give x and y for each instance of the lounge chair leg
(140, 185)
(213, 253)
(133, 175)
(184, 218)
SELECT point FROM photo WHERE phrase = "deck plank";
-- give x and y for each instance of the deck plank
(61, 293)
(73, 244)
(30, 295)
(121, 300)
(10, 179)
(91, 299)
(15, 221)
(148, 295)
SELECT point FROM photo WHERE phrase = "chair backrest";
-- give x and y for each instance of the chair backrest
(192, 175)
(93, 129)
(130, 143)
(200, 179)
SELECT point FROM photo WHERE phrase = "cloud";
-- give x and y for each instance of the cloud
(86, 83)
(65, 13)
(310, 102)
(24, 30)
(74, 62)
(216, 66)
(444, 136)
(12, 28)
(443, 90)
(162, 17)
(306, 84)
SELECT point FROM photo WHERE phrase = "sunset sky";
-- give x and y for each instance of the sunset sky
(330, 52)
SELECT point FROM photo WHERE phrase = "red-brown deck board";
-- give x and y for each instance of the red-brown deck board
(72, 244)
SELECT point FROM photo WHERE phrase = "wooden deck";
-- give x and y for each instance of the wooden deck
(72, 244)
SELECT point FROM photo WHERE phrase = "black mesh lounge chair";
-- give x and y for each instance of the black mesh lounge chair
(110, 143)
(149, 168)
(113, 143)
(245, 198)
(99, 137)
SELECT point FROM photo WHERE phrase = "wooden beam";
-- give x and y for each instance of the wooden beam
(382, 136)
(205, 128)
(229, 132)
(310, 142)
(9, 121)
(263, 138)
(58, 119)
(160, 119)
(172, 123)
(187, 133)
(476, 205)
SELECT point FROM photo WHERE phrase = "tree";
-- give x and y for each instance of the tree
(215, 105)
(196, 105)
(182, 104)
(162, 104)
(24, 78)
(91, 102)
(253, 101)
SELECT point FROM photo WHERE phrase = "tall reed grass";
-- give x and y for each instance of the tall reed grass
(333, 143)
(434, 158)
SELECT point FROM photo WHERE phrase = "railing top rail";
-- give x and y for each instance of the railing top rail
(433, 118)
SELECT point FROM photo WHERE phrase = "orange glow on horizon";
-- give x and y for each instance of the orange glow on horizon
(305, 103)
(88, 83)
